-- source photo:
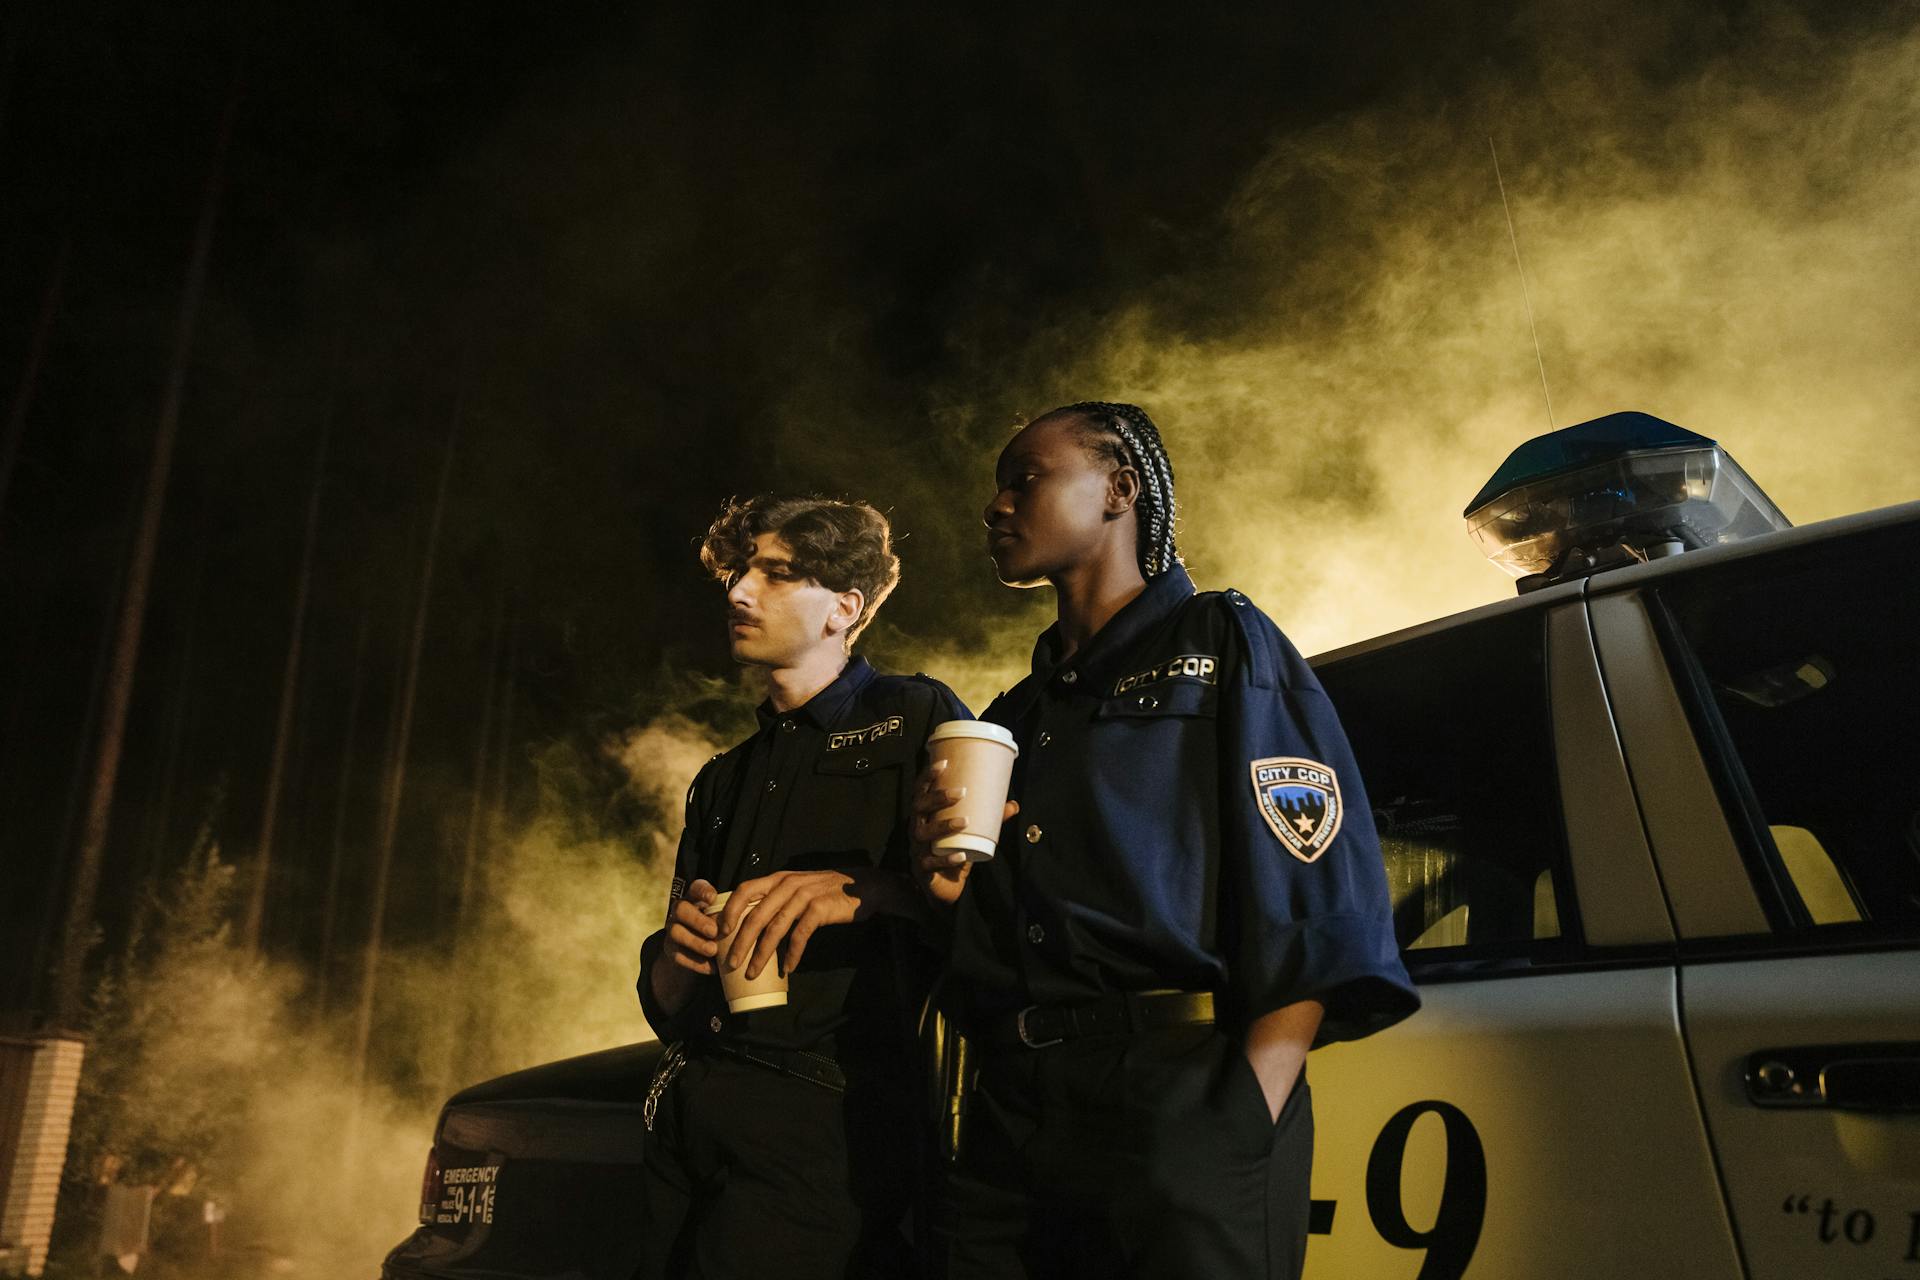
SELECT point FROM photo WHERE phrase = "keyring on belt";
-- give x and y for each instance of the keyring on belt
(670, 1064)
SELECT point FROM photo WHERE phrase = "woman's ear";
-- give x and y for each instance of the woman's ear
(1123, 490)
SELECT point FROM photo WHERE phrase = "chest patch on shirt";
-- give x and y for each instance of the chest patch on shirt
(1300, 799)
(891, 727)
(1203, 667)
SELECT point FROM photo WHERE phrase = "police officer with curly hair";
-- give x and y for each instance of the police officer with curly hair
(783, 1139)
(1189, 899)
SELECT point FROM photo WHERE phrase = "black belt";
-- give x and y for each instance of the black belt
(1040, 1025)
(816, 1068)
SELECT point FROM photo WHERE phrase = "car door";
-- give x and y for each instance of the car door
(1502, 1131)
(1770, 710)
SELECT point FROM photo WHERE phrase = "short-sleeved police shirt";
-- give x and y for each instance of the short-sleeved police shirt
(827, 785)
(1191, 818)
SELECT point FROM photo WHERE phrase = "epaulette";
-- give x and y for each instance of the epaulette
(930, 689)
(695, 784)
(1262, 642)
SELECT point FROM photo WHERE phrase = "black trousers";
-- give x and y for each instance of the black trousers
(752, 1173)
(1150, 1155)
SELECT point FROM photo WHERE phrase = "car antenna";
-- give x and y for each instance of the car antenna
(1522, 272)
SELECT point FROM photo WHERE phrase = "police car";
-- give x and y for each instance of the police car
(1652, 831)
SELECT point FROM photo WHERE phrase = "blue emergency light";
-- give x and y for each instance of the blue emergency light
(1627, 487)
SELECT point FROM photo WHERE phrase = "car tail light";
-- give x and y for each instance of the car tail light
(430, 1186)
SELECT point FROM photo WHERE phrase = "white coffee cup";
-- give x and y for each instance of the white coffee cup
(744, 993)
(980, 758)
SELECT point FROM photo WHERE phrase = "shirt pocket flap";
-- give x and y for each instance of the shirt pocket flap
(854, 762)
(1172, 698)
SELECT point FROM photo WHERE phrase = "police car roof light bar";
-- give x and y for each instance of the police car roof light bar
(1619, 489)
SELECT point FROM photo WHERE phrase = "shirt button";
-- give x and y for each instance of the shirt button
(1070, 677)
(787, 725)
(1034, 833)
(1147, 701)
(719, 823)
(862, 765)
(1045, 738)
(715, 1025)
(753, 857)
(771, 784)
(1036, 935)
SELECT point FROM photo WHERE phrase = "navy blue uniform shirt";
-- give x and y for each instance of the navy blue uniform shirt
(827, 785)
(1191, 818)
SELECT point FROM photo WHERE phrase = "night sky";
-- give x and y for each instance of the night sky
(630, 260)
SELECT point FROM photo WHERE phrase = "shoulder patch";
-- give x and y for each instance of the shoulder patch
(1300, 799)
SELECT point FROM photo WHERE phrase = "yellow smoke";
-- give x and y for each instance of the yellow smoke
(223, 1053)
(1733, 250)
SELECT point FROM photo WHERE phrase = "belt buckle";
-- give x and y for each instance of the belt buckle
(1020, 1026)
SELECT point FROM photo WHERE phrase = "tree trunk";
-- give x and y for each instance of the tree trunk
(336, 856)
(158, 832)
(283, 729)
(502, 779)
(396, 786)
(402, 639)
(16, 428)
(469, 1062)
(480, 831)
(482, 771)
(69, 980)
(44, 945)
(295, 842)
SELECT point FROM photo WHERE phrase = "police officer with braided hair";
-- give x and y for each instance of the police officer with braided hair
(1189, 898)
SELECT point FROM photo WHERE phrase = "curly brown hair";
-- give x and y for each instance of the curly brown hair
(843, 546)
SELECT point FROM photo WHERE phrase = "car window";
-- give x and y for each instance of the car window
(1806, 692)
(1454, 744)
(1815, 877)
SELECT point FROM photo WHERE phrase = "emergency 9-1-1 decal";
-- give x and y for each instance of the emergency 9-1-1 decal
(1300, 799)
(467, 1195)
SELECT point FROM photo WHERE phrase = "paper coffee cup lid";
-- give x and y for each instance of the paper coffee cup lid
(975, 729)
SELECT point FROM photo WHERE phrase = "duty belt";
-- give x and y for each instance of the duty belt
(1041, 1025)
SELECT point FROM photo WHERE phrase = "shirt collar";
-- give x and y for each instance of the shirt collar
(824, 708)
(1085, 669)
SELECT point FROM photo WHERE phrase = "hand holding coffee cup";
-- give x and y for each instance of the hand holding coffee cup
(744, 993)
(973, 763)
(689, 952)
(691, 931)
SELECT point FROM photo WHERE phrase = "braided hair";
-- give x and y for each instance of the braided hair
(1126, 436)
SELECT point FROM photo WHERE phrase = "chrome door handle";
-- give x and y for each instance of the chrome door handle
(1880, 1077)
